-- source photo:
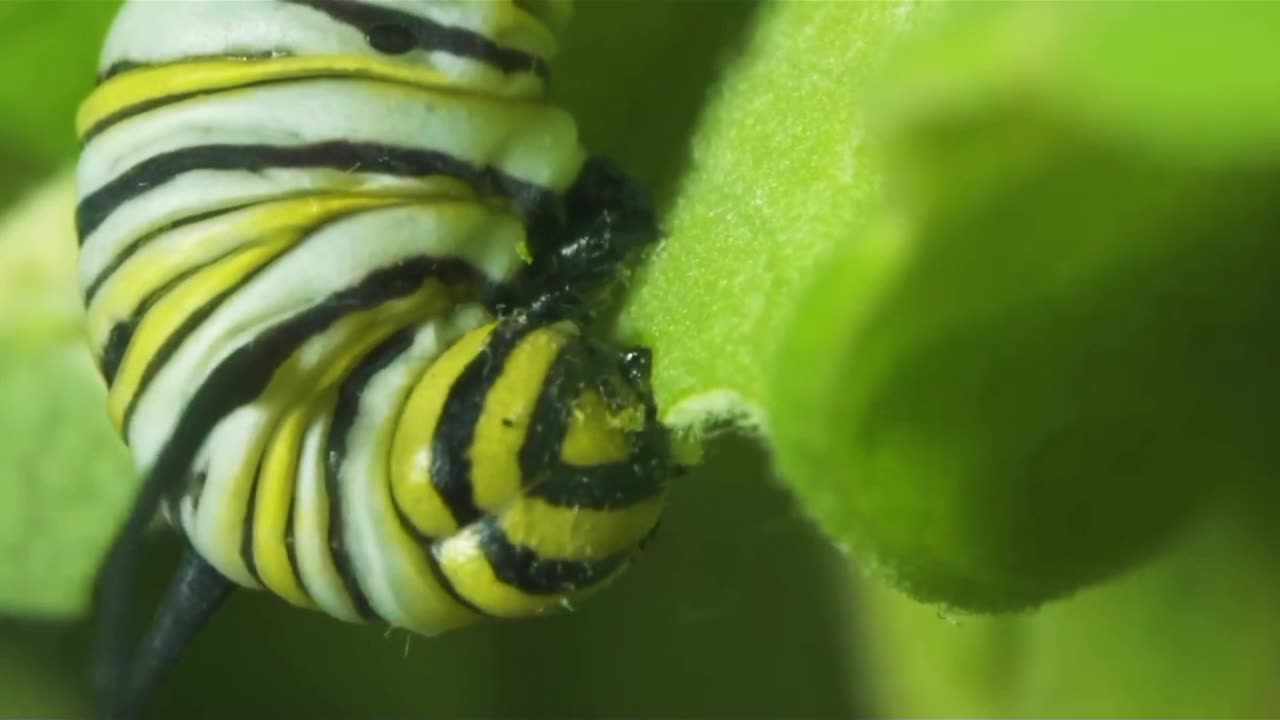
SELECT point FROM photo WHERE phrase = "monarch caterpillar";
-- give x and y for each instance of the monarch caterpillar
(339, 259)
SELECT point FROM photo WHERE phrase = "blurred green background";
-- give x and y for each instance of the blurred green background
(986, 290)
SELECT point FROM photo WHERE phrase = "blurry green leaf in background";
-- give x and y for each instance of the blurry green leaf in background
(1187, 635)
(991, 284)
(64, 477)
(50, 54)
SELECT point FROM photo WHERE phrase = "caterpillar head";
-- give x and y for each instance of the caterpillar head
(532, 458)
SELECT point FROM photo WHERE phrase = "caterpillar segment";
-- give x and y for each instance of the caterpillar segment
(338, 259)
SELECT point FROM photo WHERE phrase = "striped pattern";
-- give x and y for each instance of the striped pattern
(295, 219)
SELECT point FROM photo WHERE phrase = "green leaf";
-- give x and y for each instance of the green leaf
(999, 305)
(778, 171)
(65, 479)
(1189, 635)
(1184, 80)
(52, 48)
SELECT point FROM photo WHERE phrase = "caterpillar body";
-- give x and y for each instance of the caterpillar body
(338, 258)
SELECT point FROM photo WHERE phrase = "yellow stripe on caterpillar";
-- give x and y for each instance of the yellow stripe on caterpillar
(503, 425)
(144, 86)
(410, 469)
(159, 262)
(578, 534)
